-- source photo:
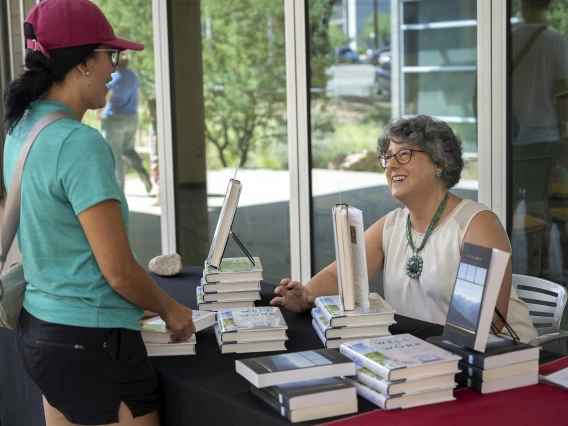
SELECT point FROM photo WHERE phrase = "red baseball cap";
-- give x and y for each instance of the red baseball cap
(69, 23)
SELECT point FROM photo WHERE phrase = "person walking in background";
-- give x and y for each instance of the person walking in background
(79, 333)
(120, 120)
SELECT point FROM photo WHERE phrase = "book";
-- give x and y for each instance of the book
(557, 378)
(311, 393)
(216, 306)
(224, 223)
(379, 312)
(187, 347)
(155, 330)
(498, 352)
(389, 403)
(351, 260)
(229, 287)
(335, 342)
(294, 367)
(479, 278)
(347, 332)
(233, 269)
(231, 297)
(401, 357)
(311, 413)
(499, 372)
(251, 324)
(498, 385)
(367, 377)
(246, 347)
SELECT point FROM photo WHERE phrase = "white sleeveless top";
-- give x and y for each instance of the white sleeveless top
(428, 297)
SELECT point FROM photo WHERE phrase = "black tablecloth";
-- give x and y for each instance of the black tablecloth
(203, 389)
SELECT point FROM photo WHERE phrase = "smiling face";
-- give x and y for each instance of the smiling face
(413, 179)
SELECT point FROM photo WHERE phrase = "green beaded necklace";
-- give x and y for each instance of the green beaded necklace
(414, 264)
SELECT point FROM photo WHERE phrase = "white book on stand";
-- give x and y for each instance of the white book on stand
(351, 260)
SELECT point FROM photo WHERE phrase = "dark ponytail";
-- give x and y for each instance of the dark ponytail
(39, 75)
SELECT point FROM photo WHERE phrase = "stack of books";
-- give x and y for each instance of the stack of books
(504, 364)
(402, 371)
(302, 386)
(235, 284)
(335, 326)
(243, 330)
(156, 335)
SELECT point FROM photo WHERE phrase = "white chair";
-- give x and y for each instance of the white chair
(546, 302)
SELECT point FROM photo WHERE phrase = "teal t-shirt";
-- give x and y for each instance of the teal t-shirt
(69, 169)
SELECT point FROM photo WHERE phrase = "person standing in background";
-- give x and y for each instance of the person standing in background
(120, 120)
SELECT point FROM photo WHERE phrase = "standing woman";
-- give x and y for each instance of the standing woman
(79, 332)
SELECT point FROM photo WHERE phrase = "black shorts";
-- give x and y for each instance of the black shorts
(86, 372)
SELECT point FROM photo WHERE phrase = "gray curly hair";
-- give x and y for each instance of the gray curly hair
(434, 137)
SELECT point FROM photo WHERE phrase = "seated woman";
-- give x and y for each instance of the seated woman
(422, 158)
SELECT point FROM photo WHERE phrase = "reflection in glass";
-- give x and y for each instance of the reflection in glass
(355, 91)
(539, 108)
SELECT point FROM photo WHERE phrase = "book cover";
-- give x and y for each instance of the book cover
(479, 278)
(379, 311)
(332, 344)
(251, 319)
(233, 269)
(216, 306)
(235, 296)
(155, 330)
(498, 352)
(351, 260)
(401, 357)
(311, 393)
(499, 372)
(229, 287)
(293, 367)
(236, 347)
(224, 223)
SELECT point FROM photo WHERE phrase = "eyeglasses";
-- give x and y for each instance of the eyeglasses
(403, 156)
(114, 55)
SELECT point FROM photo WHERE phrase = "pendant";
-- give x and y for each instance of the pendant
(414, 266)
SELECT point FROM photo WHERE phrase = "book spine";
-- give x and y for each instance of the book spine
(317, 322)
(469, 382)
(372, 382)
(369, 395)
(471, 371)
(365, 362)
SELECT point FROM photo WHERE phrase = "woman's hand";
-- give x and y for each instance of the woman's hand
(294, 296)
(179, 319)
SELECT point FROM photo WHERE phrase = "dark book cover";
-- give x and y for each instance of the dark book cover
(469, 382)
(295, 361)
(284, 393)
(495, 346)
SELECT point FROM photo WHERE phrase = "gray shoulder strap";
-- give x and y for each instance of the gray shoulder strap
(11, 219)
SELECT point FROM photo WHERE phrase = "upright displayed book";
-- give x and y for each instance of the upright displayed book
(224, 223)
(154, 329)
(351, 260)
(401, 357)
(477, 285)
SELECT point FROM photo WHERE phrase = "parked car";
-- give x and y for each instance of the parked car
(346, 54)
(382, 83)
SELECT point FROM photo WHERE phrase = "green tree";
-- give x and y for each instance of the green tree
(384, 24)
(133, 20)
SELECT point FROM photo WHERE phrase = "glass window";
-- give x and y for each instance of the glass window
(355, 91)
(229, 86)
(538, 157)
